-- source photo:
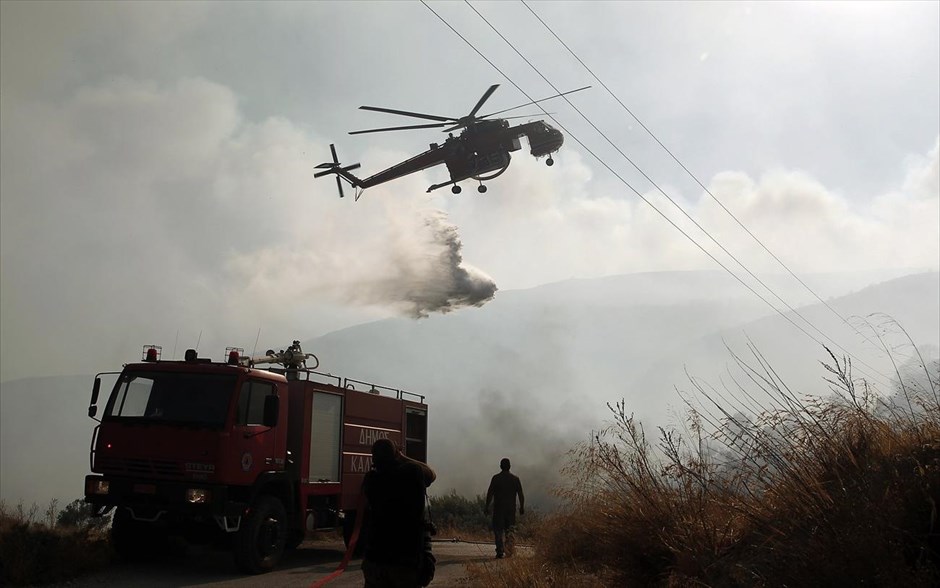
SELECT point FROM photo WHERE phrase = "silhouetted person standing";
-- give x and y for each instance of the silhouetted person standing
(502, 494)
(396, 529)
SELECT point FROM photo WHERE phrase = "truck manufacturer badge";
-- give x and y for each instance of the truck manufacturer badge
(199, 471)
(200, 467)
(246, 461)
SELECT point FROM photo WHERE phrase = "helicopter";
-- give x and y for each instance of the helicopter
(480, 152)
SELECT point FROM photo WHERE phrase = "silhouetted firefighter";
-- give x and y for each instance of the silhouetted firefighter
(397, 553)
(502, 494)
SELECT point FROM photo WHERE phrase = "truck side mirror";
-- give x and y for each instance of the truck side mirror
(94, 391)
(271, 410)
(92, 408)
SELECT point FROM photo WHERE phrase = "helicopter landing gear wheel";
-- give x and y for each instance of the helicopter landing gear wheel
(481, 189)
(456, 189)
(549, 162)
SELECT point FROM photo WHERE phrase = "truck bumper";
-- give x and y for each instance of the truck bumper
(155, 499)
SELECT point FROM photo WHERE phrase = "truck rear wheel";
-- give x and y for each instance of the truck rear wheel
(260, 542)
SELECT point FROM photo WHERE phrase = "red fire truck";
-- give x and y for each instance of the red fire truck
(227, 451)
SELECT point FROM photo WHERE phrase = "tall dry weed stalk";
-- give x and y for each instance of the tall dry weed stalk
(763, 487)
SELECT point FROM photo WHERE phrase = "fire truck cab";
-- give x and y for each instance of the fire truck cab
(227, 451)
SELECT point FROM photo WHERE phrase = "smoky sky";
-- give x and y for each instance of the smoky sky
(156, 159)
(511, 421)
(156, 187)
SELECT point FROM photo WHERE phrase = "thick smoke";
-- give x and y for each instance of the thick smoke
(425, 270)
(214, 223)
(512, 423)
(449, 283)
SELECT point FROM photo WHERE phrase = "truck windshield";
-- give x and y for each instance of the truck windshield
(194, 399)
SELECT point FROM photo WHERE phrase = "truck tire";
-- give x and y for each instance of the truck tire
(260, 542)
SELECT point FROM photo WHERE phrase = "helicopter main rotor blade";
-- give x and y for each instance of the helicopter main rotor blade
(534, 102)
(405, 128)
(406, 113)
(485, 97)
(533, 115)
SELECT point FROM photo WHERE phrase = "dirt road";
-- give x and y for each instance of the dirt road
(300, 568)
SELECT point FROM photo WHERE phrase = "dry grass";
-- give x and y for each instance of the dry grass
(459, 517)
(785, 490)
(36, 550)
(531, 572)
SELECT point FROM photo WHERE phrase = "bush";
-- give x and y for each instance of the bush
(458, 516)
(78, 514)
(840, 490)
(36, 552)
(761, 487)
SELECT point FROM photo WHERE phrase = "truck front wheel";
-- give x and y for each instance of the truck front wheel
(259, 544)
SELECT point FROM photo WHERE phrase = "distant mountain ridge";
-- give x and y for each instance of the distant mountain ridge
(911, 303)
(532, 371)
(525, 376)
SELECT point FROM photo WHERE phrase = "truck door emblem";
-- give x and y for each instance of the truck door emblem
(246, 461)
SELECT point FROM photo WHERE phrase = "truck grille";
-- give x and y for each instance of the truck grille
(139, 467)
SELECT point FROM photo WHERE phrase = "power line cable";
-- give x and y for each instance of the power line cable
(663, 192)
(694, 177)
(670, 199)
(627, 184)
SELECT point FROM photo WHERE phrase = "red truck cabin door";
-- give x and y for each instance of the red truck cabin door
(254, 445)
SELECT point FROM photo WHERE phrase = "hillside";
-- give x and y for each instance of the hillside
(527, 375)
(874, 315)
(530, 373)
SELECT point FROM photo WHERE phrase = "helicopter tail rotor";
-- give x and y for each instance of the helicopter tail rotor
(341, 172)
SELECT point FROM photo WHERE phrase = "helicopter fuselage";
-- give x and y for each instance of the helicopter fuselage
(481, 151)
(481, 148)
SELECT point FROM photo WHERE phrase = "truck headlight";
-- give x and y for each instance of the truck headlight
(100, 487)
(197, 496)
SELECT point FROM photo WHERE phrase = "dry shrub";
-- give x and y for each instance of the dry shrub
(457, 516)
(463, 518)
(522, 571)
(34, 552)
(790, 490)
(556, 552)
